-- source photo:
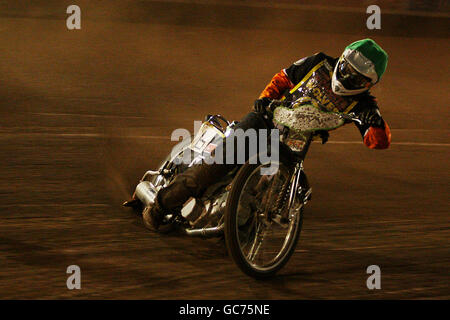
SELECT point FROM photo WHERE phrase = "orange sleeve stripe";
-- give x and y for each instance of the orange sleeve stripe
(378, 138)
(276, 87)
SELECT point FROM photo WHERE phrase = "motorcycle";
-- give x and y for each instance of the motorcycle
(260, 216)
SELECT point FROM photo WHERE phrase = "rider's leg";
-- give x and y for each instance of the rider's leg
(191, 183)
(194, 181)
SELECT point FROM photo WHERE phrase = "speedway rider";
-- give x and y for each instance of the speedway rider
(340, 84)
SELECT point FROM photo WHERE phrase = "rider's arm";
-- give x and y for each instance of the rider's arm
(378, 138)
(374, 137)
(277, 86)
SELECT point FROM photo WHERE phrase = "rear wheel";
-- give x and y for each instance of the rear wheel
(261, 233)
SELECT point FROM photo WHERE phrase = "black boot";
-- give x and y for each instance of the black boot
(133, 203)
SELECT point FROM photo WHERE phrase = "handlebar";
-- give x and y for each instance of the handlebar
(275, 104)
(351, 117)
(214, 120)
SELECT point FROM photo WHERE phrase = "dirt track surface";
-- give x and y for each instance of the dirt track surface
(84, 113)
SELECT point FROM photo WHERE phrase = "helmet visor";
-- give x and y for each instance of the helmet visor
(350, 78)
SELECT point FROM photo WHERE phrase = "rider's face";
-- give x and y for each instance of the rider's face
(350, 78)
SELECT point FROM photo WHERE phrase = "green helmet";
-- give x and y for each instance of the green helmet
(367, 58)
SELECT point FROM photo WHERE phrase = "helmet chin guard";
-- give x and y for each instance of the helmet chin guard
(367, 58)
(339, 89)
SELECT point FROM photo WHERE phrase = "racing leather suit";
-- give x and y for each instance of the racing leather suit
(286, 79)
(194, 181)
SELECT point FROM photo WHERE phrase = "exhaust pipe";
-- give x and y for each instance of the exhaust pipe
(205, 232)
(146, 192)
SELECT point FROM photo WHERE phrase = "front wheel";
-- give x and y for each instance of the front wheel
(261, 232)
